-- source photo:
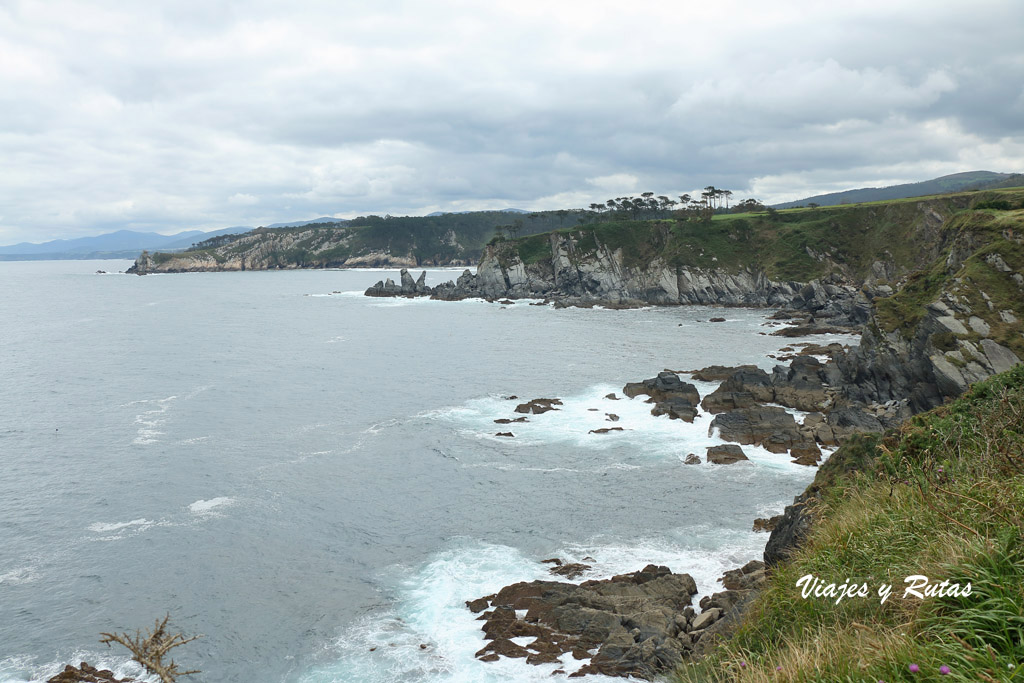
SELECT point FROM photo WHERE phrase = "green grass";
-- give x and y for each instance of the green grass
(942, 497)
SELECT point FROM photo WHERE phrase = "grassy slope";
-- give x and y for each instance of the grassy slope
(794, 244)
(950, 183)
(943, 497)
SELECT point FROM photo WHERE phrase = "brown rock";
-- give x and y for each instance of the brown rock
(665, 386)
(478, 605)
(87, 674)
(726, 454)
(605, 430)
(692, 459)
(538, 406)
(571, 570)
(508, 434)
(762, 524)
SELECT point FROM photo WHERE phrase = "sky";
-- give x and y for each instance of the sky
(170, 115)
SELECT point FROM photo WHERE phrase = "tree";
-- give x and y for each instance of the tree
(149, 651)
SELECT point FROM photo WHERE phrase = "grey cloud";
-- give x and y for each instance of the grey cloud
(175, 115)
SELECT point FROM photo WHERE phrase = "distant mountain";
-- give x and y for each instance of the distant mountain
(299, 224)
(457, 213)
(971, 180)
(120, 244)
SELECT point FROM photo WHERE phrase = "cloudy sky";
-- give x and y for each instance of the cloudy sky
(168, 115)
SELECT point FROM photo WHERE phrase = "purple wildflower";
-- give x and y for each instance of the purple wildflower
(944, 670)
(914, 668)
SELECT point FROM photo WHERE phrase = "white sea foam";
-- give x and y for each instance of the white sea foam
(572, 422)
(19, 576)
(104, 528)
(430, 606)
(207, 507)
(25, 669)
(335, 340)
(430, 610)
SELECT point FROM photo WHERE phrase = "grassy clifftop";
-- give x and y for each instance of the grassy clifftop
(943, 498)
(799, 244)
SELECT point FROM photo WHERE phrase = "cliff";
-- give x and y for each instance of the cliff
(367, 241)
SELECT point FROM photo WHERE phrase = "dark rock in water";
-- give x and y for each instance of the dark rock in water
(767, 426)
(571, 570)
(612, 397)
(716, 320)
(726, 455)
(87, 674)
(506, 421)
(552, 560)
(692, 459)
(807, 330)
(611, 417)
(723, 401)
(605, 430)
(665, 386)
(384, 288)
(479, 605)
(635, 621)
(538, 406)
(676, 408)
(509, 434)
(717, 373)
(762, 524)
(753, 381)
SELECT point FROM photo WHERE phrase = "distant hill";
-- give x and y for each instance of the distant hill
(298, 224)
(456, 213)
(119, 244)
(970, 180)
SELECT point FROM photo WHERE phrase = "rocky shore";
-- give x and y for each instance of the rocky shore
(639, 624)
(644, 624)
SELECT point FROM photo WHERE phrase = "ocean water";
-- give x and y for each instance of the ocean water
(310, 478)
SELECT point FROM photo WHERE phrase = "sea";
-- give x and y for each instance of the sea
(311, 479)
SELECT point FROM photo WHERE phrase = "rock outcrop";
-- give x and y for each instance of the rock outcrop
(633, 624)
(726, 454)
(84, 673)
(603, 277)
(640, 624)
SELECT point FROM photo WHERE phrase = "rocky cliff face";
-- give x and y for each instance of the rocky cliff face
(311, 247)
(572, 276)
